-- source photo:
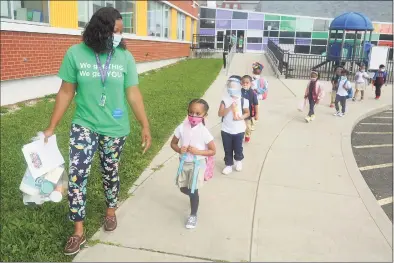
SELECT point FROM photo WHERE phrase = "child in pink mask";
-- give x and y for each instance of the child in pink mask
(194, 143)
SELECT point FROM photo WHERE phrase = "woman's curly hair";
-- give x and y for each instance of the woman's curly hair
(98, 33)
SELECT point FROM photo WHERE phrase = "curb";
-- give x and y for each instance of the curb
(376, 212)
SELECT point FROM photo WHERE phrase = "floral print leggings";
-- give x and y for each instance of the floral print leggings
(83, 145)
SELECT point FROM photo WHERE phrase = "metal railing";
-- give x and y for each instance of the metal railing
(299, 66)
(230, 58)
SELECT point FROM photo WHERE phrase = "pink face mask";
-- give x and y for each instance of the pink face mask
(195, 120)
(313, 79)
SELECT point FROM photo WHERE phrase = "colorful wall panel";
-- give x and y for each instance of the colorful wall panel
(301, 34)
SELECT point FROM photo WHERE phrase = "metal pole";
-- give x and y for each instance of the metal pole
(328, 44)
(342, 44)
(363, 44)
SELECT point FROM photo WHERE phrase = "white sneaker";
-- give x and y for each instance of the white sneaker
(227, 170)
(337, 113)
(238, 166)
(341, 114)
(191, 222)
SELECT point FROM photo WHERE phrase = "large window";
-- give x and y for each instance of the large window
(34, 11)
(158, 19)
(207, 13)
(126, 8)
(181, 26)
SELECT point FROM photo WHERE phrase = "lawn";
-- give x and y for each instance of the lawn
(39, 233)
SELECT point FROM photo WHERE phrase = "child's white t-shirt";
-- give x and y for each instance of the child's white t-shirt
(341, 89)
(200, 138)
(361, 77)
(229, 125)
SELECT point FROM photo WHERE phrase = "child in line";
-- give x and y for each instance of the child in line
(361, 78)
(334, 82)
(342, 93)
(314, 93)
(250, 95)
(258, 83)
(379, 79)
(196, 144)
(234, 110)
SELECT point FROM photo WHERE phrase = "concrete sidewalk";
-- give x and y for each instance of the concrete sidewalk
(300, 196)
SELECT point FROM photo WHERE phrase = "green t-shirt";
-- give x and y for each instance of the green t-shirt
(79, 66)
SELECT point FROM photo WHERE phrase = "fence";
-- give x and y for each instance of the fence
(299, 66)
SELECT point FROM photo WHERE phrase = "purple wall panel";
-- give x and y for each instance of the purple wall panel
(256, 16)
(223, 24)
(254, 46)
(264, 47)
(303, 41)
(254, 24)
(265, 40)
(223, 14)
(239, 24)
(207, 31)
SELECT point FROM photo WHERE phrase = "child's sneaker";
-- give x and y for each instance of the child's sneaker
(191, 222)
(377, 97)
(227, 170)
(331, 105)
(247, 139)
(307, 119)
(313, 117)
(341, 114)
(238, 166)
(337, 113)
(354, 99)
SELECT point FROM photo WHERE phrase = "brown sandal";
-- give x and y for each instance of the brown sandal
(110, 223)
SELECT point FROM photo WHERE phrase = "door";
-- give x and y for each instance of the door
(219, 39)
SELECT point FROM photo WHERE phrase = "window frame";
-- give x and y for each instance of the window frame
(12, 18)
(162, 8)
(181, 26)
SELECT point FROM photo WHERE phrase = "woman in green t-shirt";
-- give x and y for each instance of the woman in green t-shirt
(102, 75)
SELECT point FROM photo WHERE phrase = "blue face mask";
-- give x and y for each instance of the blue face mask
(117, 38)
(234, 92)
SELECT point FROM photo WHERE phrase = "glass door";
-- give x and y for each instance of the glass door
(219, 43)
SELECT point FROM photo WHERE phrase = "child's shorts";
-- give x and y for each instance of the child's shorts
(360, 86)
(185, 179)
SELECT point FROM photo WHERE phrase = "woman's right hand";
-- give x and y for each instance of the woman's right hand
(48, 133)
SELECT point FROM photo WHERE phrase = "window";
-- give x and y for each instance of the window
(181, 26)
(320, 42)
(302, 49)
(274, 25)
(227, 6)
(34, 11)
(287, 34)
(204, 23)
(271, 33)
(386, 37)
(304, 34)
(318, 50)
(255, 40)
(208, 13)
(126, 8)
(235, 6)
(240, 15)
(321, 25)
(158, 19)
(286, 41)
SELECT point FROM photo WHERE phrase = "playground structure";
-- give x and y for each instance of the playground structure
(345, 53)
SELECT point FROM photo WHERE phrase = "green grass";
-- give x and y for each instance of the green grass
(39, 233)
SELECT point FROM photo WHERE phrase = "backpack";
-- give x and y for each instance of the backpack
(242, 106)
(380, 76)
(349, 92)
(261, 89)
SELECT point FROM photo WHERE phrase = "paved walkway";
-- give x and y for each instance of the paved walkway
(300, 196)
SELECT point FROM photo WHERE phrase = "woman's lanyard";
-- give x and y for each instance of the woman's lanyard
(103, 75)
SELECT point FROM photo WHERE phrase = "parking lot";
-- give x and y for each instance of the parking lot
(372, 143)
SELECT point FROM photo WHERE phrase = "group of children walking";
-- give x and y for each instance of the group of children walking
(239, 110)
(342, 89)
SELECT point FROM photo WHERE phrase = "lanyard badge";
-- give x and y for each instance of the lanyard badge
(103, 75)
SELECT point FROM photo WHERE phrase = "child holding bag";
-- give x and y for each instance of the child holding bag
(313, 93)
(196, 145)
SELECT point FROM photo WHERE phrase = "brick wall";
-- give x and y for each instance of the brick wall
(26, 55)
(186, 6)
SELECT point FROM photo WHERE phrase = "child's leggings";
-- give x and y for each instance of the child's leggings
(83, 145)
(194, 199)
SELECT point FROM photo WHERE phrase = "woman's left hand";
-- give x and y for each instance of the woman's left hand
(146, 139)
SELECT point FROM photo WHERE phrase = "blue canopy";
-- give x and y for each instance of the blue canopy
(352, 21)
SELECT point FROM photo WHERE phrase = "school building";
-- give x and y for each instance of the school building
(297, 34)
(36, 34)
